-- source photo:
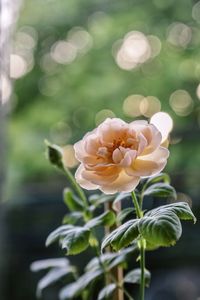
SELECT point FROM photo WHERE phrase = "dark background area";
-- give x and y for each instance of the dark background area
(73, 64)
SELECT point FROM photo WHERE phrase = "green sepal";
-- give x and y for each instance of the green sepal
(54, 154)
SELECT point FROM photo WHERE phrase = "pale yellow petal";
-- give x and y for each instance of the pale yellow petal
(88, 185)
(123, 183)
(154, 138)
(100, 178)
(150, 164)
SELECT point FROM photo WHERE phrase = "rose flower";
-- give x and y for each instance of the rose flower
(115, 155)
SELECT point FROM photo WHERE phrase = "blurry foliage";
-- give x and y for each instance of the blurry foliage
(59, 101)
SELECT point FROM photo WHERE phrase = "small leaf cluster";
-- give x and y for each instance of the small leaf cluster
(159, 227)
(75, 235)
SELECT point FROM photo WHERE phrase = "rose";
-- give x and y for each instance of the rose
(115, 155)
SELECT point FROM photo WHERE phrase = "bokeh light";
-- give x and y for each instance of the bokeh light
(179, 35)
(149, 106)
(102, 115)
(47, 64)
(134, 49)
(131, 105)
(155, 45)
(63, 52)
(181, 102)
(69, 158)
(163, 122)
(80, 38)
(196, 12)
(18, 66)
(198, 91)
(26, 38)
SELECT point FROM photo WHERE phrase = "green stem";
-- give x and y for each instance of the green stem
(138, 210)
(75, 185)
(140, 200)
(142, 267)
(139, 213)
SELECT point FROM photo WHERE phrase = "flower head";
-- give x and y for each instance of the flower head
(115, 155)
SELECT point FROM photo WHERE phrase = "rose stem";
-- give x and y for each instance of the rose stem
(117, 272)
(139, 214)
(75, 185)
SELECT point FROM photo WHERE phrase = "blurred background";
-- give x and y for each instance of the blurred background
(72, 64)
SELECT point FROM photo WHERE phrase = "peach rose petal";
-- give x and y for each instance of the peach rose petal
(82, 181)
(150, 164)
(154, 140)
(142, 143)
(115, 155)
(124, 183)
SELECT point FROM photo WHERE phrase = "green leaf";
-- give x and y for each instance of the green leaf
(72, 218)
(160, 190)
(49, 263)
(162, 227)
(60, 267)
(76, 288)
(123, 214)
(159, 227)
(51, 277)
(181, 209)
(106, 219)
(54, 154)
(122, 236)
(161, 177)
(107, 291)
(72, 201)
(134, 276)
(74, 239)
(161, 230)
(93, 271)
(110, 260)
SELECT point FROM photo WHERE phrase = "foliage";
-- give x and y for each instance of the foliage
(158, 227)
